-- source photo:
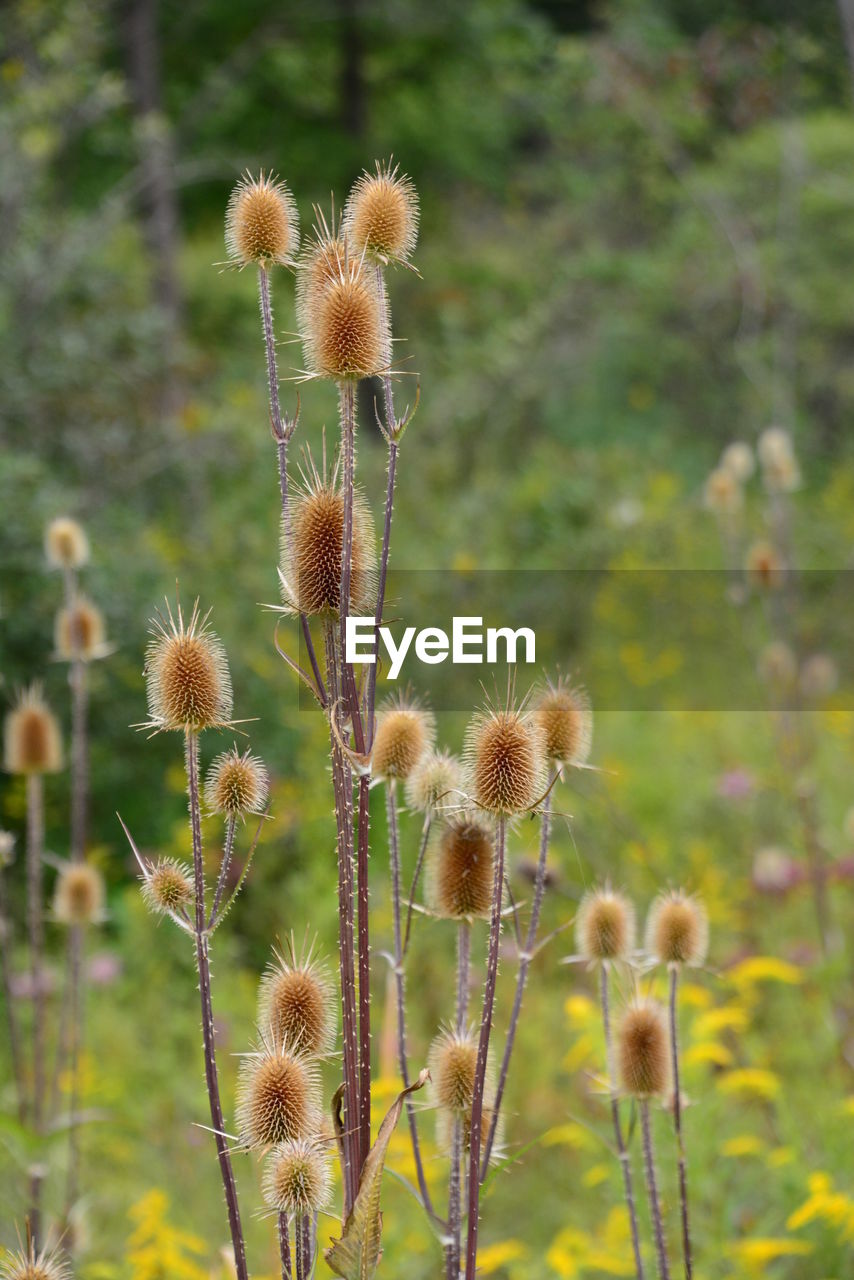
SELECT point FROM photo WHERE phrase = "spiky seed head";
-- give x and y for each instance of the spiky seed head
(65, 543)
(186, 671)
(765, 565)
(460, 870)
(168, 886)
(297, 1177)
(311, 558)
(343, 315)
(565, 718)
(321, 264)
(79, 894)
(295, 1000)
(505, 760)
(31, 737)
(738, 459)
(79, 631)
(405, 732)
(778, 665)
(261, 222)
(605, 926)
(677, 929)
(434, 781)
(381, 215)
(26, 1264)
(237, 783)
(277, 1094)
(643, 1050)
(453, 1066)
(723, 493)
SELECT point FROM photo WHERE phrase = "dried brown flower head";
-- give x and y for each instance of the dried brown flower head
(31, 738)
(186, 671)
(405, 732)
(66, 545)
(342, 312)
(295, 1000)
(453, 1064)
(605, 926)
(434, 782)
(168, 886)
(765, 565)
(643, 1050)
(381, 215)
(236, 784)
(297, 1177)
(277, 1094)
(261, 222)
(565, 717)
(79, 894)
(79, 632)
(505, 760)
(677, 929)
(460, 871)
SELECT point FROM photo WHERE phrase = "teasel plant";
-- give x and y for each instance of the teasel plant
(7, 954)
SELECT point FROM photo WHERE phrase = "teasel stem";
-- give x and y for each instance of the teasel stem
(35, 928)
(76, 948)
(677, 1124)
(364, 959)
(302, 1232)
(525, 959)
(416, 876)
(284, 1247)
(463, 970)
(227, 851)
(652, 1192)
(622, 1152)
(208, 1034)
(400, 983)
(452, 1253)
(483, 1047)
(13, 1030)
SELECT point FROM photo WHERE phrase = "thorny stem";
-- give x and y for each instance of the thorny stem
(228, 849)
(6, 952)
(652, 1192)
(623, 1154)
(303, 1230)
(400, 983)
(452, 1252)
(677, 1124)
(299, 1247)
(284, 1247)
(35, 927)
(483, 1048)
(79, 758)
(463, 968)
(364, 957)
(208, 1035)
(76, 950)
(76, 939)
(416, 876)
(522, 976)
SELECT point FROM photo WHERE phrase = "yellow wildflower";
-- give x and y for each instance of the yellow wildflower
(751, 1081)
(764, 969)
(746, 1144)
(496, 1256)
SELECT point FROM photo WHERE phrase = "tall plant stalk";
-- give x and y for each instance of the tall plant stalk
(452, 1252)
(284, 1247)
(13, 1030)
(677, 1124)
(35, 930)
(652, 1192)
(619, 1138)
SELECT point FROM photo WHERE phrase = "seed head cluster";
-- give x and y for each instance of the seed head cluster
(565, 718)
(505, 759)
(434, 781)
(79, 631)
(186, 670)
(381, 215)
(405, 732)
(295, 1001)
(168, 886)
(277, 1095)
(461, 867)
(66, 544)
(311, 561)
(643, 1050)
(236, 784)
(605, 927)
(297, 1177)
(453, 1064)
(79, 894)
(261, 223)
(31, 737)
(677, 930)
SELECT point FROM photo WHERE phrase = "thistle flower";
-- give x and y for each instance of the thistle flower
(381, 215)
(277, 1094)
(49, 1264)
(186, 670)
(643, 1050)
(297, 1177)
(738, 459)
(236, 784)
(505, 760)
(605, 926)
(453, 1067)
(460, 870)
(168, 886)
(31, 738)
(79, 894)
(764, 565)
(565, 718)
(79, 632)
(405, 732)
(295, 1000)
(433, 781)
(342, 314)
(722, 493)
(65, 543)
(677, 930)
(311, 558)
(261, 222)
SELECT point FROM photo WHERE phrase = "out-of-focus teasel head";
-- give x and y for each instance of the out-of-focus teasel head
(765, 566)
(186, 673)
(460, 869)
(236, 784)
(278, 1094)
(381, 215)
(79, 634)
(565, 718)
(780, 470)
(677, 930)
(453, 1067)
(505, 760)
(167, 886)
(297, 1177)
(737, 458)
(642, 1051)
(778, 666)
(434, 783)
(723, 493)
(65, 543)
(31, 739)
(296, 1001)
(27, 1264)
(79, 894)
(406, 730)
(262, 223)
(605, 927)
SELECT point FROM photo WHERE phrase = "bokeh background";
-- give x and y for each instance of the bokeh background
(637, 241)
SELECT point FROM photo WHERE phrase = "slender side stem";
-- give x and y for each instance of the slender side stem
(347, 412)
(284, 1247)
(525, 959)
(381, 588)
(299, 1249)
(400, 983)
(363, 903)
(35, 927)
(483, 1048)
(463, 970)
(305, 1244)
(652, 1192)
(208, 1034)
(677, 1124)
(14, 1033)
(79, 759)
(77, 942)
(452, 1252)
(227, 851)
(416, 876)
(623, 1154)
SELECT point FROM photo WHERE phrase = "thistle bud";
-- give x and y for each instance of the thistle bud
(453, 1067)
(460, 870)
(66, 544)
(186, 670)
(297, 1177)
(79, 894)
(295, 1001)
(605, 926)
(79, 632)
(311, 557)
(381, 215)
(49, 1264)
(31, 738)
(738, 459)
(277, 1095)
(565, 718)
(261, 223)
(405, 731)
(236, 784)
(677, 930)
(643, 1051)
(168, 886)
(433, 782)
(505, 760)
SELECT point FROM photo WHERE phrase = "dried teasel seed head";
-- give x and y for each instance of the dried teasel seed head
(295, 1000)
(565, 718)
(677, 929)
(643, 1050)
(79, 894)
(405, 732)
(168, 886)
(186, 671)
(723, 493)
(79, 632)
(765, 566)
(453, 1066)
(605, 926)
(738, 459)
(31, 737)
(297, 1177)
(381, 215)
(261, 222)
(277, 1094)
(49, 1264)
(343, 313)
(434, 782)
(505, 760)
(311, 556)
(460, 870)
(237, 783)
(65, 543)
